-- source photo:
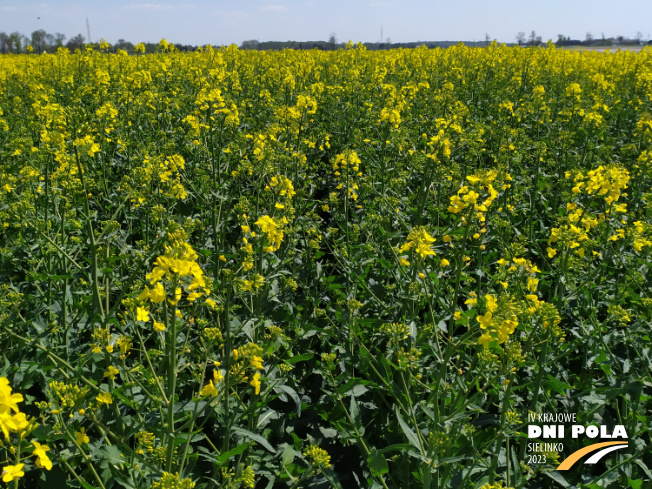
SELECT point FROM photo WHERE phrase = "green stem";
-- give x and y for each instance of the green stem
(83, 454)
(172, 381)
(151, 367)
(501, 433)
(55, 359)
(535, 392)
(227, 358)
(355, 428)
(458, 275)
(192, 425)
(82, 483)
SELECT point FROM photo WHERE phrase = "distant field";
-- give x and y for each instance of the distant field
(605, 48)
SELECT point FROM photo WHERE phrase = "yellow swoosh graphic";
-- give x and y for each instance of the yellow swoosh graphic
(575, 456)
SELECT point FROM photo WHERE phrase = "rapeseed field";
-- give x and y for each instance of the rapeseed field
(242, 269)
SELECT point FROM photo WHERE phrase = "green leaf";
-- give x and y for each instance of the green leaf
(254, 437)
(516, 469)
(266, 417)
(396, 447)
(299, 358)
(232, 453)
(125, 400)
(556, 385)
(644, 467)
(328, 432)
(409, 432)
(288, 455)
(354, 411)
(626, 366)
(124, 479)
(293, 394)
(110, 455)
(59, 278)
(352, 385)
(557, 477)
(377, 464)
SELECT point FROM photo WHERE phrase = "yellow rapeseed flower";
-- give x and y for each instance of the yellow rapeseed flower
(42, 459)
(111, 372)
(11, 472)
(81, 437)
(142, 314)
(255, 383)
(104, 398)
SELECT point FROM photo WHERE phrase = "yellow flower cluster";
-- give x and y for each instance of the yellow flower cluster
(605, 181)
(498, 324)
(210, 389)
(172, 481)
(18, 423)
(295, 116)
(396, 332)
(346, 168)
(211, 101)
(501, 317)
(497, 485)
(478, 196)
(67, 396)
(392, 116)
(283, 188)
(642, 235)
(273, 230)
(519, 264)
(521, 273)
(420, 242)
(394, 102)
(248, 478)
(440, 143)
(306, 104)
(88, 145)
(252, 284)
(145, 441)
(179, 262)
(9, 402)
(159, 172)
(248, 357)
(571, 235)
(318, 456)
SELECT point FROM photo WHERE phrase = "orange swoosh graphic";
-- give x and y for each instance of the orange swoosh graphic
(575, 456)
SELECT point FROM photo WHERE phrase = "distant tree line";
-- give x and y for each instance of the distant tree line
(41, 41)
(329, 45)
(534, 40)
(38, 42)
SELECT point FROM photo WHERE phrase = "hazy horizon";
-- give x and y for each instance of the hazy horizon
(202, 22)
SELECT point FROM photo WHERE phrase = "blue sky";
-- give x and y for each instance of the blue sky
(225, 22)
